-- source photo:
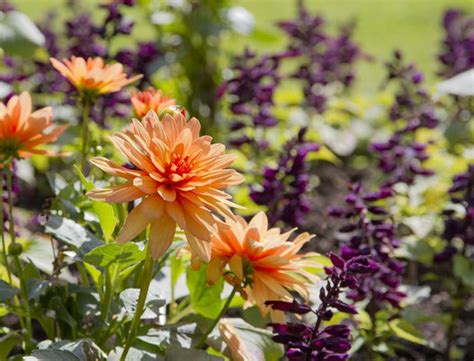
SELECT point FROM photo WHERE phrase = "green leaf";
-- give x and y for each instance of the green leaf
(177, 269)
(51, 355)
(406, 331)
(37, 288)
(153, 302)
(463, 269)
(184, 334)
(174, 353)
(71, 233)
(205, 300)
(19, 35)
(104, 211)
(124, 255)
(7, 343)
(6, 291)
(84, 350)
(62, 313)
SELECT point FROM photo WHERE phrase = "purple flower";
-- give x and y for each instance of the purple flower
(401, 158)
(368, 231)
(251, 90)
(283, 188)
(316, 342)
(292, 307)
(457, 52)
(459, 225)
(324, 59)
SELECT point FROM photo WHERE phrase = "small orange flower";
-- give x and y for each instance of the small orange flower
(150, 99)
(92, 76)
(180, 176)
(23, 131)
(262, 261)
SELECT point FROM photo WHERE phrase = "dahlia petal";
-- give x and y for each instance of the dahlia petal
(167, 193)
(236, 266)
(176, 212)
(162, 234)
(214, 270)
(117, 194)
(136, 222)
(145, 184)
(115, 169)
(200, 248)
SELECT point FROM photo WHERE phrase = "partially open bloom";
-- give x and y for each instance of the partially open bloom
(150, 99)
(179, 174)
(261, 261)
(92, 76)
(23, 131)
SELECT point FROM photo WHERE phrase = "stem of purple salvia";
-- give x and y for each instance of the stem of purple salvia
(315, 342)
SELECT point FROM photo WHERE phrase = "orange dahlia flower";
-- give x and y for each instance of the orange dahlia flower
(180, 176)
(92, 76)
(150, 99)
(261, 261)
(23, 131)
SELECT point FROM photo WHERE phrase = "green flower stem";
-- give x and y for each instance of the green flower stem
(178, 315)
(16, 260)
(146, 278)
(2, 235)
(85, 131)
(83, 274)
(203, 340)
(110, 281)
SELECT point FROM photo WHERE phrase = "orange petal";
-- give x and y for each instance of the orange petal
(162, 234)
(200, 248)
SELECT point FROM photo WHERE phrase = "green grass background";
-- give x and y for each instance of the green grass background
(413, 26)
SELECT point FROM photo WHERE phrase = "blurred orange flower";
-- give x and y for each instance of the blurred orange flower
(23, 131)
(150, 99)
(92, 76)
(180, 175)
(263, 263)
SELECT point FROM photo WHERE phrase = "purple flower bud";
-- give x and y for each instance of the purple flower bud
(337, 261)
(291, 307)
(344, 307)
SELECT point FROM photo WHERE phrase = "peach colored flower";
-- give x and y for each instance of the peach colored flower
(23, 131)
(150, 99)
(179, 174)
(92, 76)
(261, 261)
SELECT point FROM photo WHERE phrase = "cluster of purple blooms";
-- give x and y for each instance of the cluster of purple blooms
(459, 225)
(401, 157)
(369, 231)
(251, 93)
(86, 38)
(284, 186)
(457, 54)
(317, 342)
(324, 59)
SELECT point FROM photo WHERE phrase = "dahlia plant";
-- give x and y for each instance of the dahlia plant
(180, 219)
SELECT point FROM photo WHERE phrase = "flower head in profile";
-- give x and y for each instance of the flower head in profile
(23, 131)
(92, 76)
(261, 261)
(150, 99)
(179, 175)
